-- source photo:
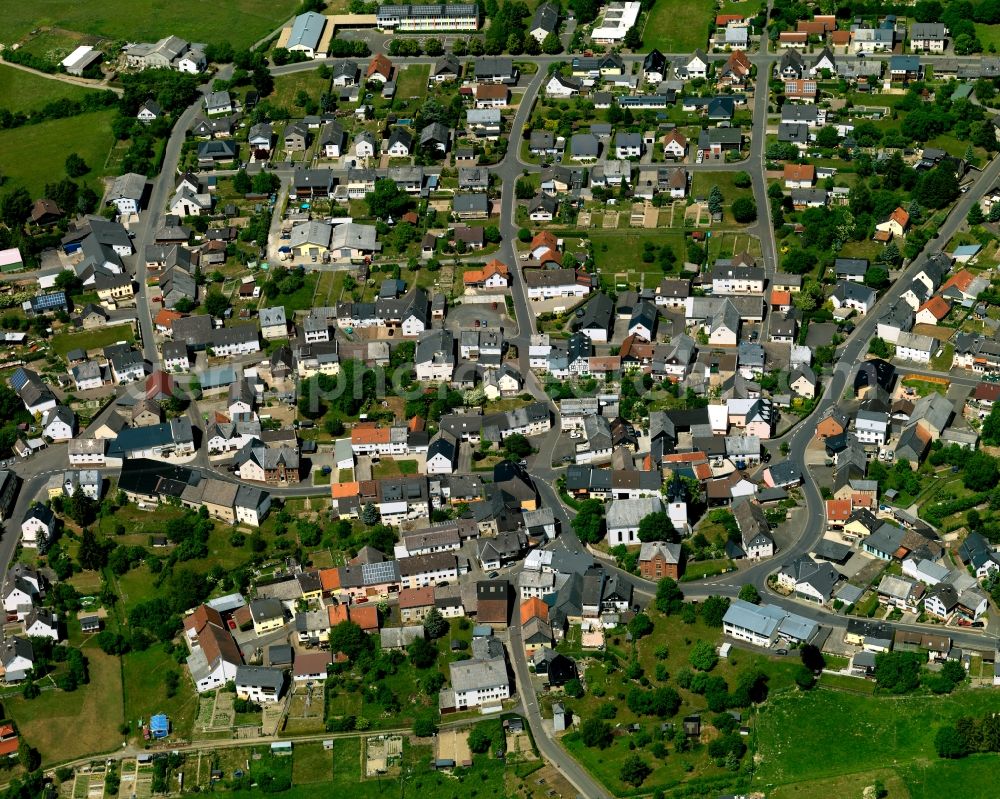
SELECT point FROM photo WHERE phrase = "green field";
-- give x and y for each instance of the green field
(679, 26)
(63, 726)
(91, 339)
(619, 252)
(858, 734)
(24, 91)
(286, 87)
(34, 155)
(241, 22)
(145, 693)
(412, 82)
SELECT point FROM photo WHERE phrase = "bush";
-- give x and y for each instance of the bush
(596, 734)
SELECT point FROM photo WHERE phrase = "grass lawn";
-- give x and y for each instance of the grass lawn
(91, 339)
(286, 87)
(488, 778)
(389, 467)
(618, 254)
(24, 91)
(145, 694)
(241, 22)
(942, 361)
(311, 763)
(702, 185)
(846, 785)
(678, 26)
(412, 82)
(676, 768)
(975, 774)
(300, 300)
(856, 734)
(925, 387)
(33, 155)
(988, 34)
(63, 726)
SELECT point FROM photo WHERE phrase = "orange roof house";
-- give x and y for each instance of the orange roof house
(417, 424)
(812, 27)
(410, 598)
(337, 614)
(738, 63)
(960, 280)
(165, 318)
(793, 37)
(534, 608)
(937, 306)
(800, 173)
(330, 580)
(544, 239)
(901, 217)
(721, 20)
(380, 65)
(838, 511)
(840, 38)
(368, 434)
(476, 276)
(366, 617)
(780, 299)
(343, 490)
(9, 741)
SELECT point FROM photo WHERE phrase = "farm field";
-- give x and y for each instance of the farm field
(858, 734)
(678, 26)
(33, 155)
(91, 339)
(24, 91)
(241, 22)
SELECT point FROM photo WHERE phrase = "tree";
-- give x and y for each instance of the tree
(715, 200)
(897, 672)
(742, 180)
(879, 348)
(669, 597)
(713, 609)
(435, 625)
(242, 184)
(827, 137)
(370, 515)
(15, 207)
(980, 472)
(387, 200)
(633, 38)
(595, 733)
(810, 297)
(524, 190)
(433, 47)
(423, 653)
(949, 743)
(812, 658)
(588, 524)
(804, 678)
(991, 427)
(75, 166)
(517, 446)
(702, 656)
(877, 278)
(657, 527)
(551, 45)
(748, 593)
(425, 726)
(573, 688)
(216, 303)
(348, 638)
(640, 626)
(976, 215)
(480, 739)
(92, 554)
(634, 770)
(744, 210)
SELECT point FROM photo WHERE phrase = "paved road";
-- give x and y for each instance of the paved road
(550, 749)
(149, 220)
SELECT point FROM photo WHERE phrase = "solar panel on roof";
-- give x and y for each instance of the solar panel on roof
(373, 573)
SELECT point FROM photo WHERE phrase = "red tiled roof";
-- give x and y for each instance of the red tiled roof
(938, 306)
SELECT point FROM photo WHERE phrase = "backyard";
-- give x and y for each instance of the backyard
(678, 26)
(859, 735)
(241, 22)
(28, 154)
(24, 91)
(91, 339)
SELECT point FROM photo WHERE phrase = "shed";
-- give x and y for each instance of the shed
(159, 726)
